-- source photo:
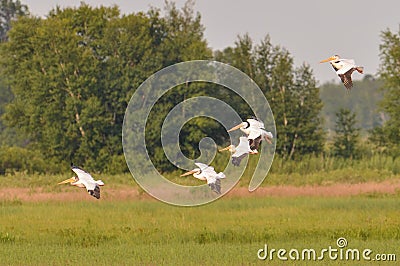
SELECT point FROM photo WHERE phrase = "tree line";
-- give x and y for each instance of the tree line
(66, 81)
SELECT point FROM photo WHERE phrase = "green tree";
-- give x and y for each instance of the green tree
(363, 100)
(347, 135)
(55, 73)
(180, 36)
(387, 137)
(8, 136)
(9, 11)
(242, 57)
(306, 133)
(291, 92)
(74, 72)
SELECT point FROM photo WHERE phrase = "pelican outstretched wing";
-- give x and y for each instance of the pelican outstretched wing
(205, 168)
(255, 143)
(87, 180)
(95, 192)
(82, 174)
(215, 186)
(242, 148)
(346, 66)
(241, 151)
(348, 61)
(212, 177)
(254, 133)
(254, 123)
(236, 160)
(346, 79)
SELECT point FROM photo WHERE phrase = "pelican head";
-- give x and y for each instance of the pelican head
(330, 59)
(230, 148)
(69, 180)
(194, 171)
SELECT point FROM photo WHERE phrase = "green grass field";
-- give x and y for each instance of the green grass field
(229, 231)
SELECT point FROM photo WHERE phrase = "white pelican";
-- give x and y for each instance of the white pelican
(240, 151)
(344, 68)
(84, 179)
(254, 129)
(205, 172)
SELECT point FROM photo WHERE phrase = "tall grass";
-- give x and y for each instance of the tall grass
(229, 231)
(328, 170)
(311, 170)
(311, 164)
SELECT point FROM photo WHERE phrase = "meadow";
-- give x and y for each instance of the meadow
(138, 230)
(229, 231)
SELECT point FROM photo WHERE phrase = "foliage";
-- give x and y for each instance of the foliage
(362, 100)
(291, 92)
(311, 170)
(6, 96)
(9, 11)
(182, 40)
(73, 73)
(58, 64)
(66, 81)
(387, 137)
(16, 159)
(347, 135)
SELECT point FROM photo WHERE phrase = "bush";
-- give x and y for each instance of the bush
(17, 159)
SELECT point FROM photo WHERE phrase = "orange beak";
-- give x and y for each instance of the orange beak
(188, 173)
(225, 149)
(236, 127)
(328, 59)
(69, 180)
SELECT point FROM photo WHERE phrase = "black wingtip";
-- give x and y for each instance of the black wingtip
(74, 166)
(94, 193)
(235, 161)
(216, 187)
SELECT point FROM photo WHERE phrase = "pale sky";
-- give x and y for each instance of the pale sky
(311, 30)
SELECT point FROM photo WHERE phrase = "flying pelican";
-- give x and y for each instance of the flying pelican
(205, 172)
(344, 68)
(84, 179)
(254, 129)
(240, 151)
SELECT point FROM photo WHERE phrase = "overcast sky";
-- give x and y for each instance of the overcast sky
(311, 30)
